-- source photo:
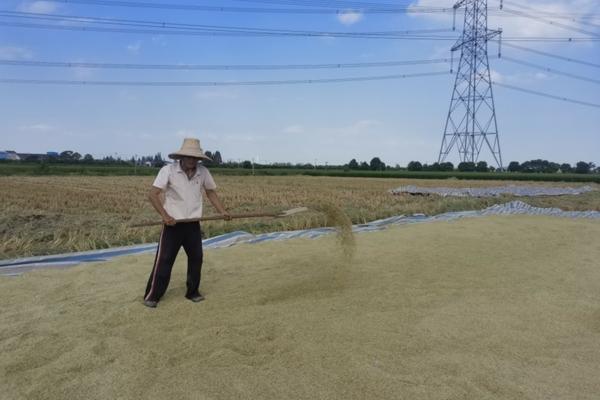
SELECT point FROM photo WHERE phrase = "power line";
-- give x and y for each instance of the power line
(319, 8)
(239, 33)
(555, 39)
(233, 83)
(549, 22)
(350, 35)
(172, 28)
(577, 18)
(391, 9)
(551, 70)
(166, 24)
(551, 55)
(324, 3)
(366, 8)
(63, 64)
(548, 95)
(184, 27)
(356, 5)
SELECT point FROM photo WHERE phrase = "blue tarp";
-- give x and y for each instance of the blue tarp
(21, 265)
(513, 190)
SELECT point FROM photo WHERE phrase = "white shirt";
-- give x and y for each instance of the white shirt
(183, 195)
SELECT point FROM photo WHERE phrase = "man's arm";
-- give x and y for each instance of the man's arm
(216, 202)
(154, 197)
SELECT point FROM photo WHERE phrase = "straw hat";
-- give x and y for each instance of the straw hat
(189, 148)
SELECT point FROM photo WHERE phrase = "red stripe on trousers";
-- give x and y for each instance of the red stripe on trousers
(155, 268)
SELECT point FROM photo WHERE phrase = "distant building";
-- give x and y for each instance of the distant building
(9, 155)
(32, 157)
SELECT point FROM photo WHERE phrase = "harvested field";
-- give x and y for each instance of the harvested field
(55, 214)
(484, 308)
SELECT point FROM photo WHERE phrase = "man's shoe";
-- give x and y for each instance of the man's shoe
(195, 298)
(150, 303)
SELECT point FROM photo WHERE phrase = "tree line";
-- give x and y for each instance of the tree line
(73, 157)
(532, 166)
(376, 164)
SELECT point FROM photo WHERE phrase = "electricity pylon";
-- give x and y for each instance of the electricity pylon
(471, 121)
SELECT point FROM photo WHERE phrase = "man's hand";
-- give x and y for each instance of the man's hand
(154, 197)
(168, 220)
(226, 216)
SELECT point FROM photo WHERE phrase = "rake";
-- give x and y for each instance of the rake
(286, 213)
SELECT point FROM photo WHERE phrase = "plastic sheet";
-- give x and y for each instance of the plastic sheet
(492, 191)
(19, 266)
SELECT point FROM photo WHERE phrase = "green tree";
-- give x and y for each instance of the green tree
(158, 161)
(466, 166)
(415, 166)
(435, 167)
(447, 166)
(376, 164)
(353, 164)
(207, 162)
(247, 164)
(482, 167)
(583, 168)
(514, 166)
(66, 155)
(217, 158)
(566, 168)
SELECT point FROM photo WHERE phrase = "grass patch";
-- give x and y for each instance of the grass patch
(56, 169)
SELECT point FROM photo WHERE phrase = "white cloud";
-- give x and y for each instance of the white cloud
(38, 7)
(357, 128)
(520, 78)
(541, 76)
(293, 129)
(217, 93)
(245, 137)
(159, 40)
(515, 25)
(15, 53)
(127, 95)
(496, 76)
(134, 48)
(441, 51)
(41, 127)
(349, 17)
(82, 73)
(185, 133)
(327, 39)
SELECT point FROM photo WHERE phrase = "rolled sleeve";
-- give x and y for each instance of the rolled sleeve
(209, 182)
(162, 179)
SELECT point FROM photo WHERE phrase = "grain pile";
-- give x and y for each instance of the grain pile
(487, 308)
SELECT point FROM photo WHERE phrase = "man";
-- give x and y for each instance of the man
(182, 183)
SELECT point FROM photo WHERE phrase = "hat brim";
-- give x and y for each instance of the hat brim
(178, 155)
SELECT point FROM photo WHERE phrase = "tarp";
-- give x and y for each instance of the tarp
(492, 191)
(21, 265)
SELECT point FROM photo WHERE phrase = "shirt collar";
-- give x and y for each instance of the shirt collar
(180, 170)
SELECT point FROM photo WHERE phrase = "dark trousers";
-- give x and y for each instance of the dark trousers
(189, 236)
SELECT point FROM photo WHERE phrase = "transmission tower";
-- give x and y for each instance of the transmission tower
(471, 121)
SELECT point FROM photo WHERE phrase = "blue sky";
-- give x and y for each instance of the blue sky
(396, 120)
